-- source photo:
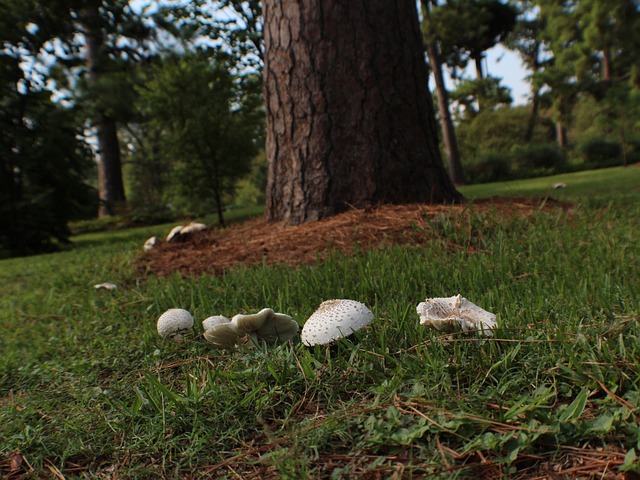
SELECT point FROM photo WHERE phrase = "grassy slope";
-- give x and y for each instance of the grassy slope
(87, 388)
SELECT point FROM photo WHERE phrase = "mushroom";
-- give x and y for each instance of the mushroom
(193, 227)
(455, 313)
(335, 319)
(150, 243)
(214, 320)
(223, 335)
(173, 234)
(105, 286)
(174, 323)
(265, 325)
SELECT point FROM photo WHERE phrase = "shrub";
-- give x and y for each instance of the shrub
(488, 167)
(538, 160)
(599, 153)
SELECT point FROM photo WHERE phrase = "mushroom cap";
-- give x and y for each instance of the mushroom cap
(192, 227)
(279, 327)
(455, 313)
(335, 319)
(150, 243)
(105, 286)
(250, 323)
(223, 335)
(214, 320)
(175, 231)
(174, 322)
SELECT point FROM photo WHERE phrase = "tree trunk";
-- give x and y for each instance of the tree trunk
(561, 134)
(349, 116)
(448, 130)
(110, 184)
(533, 116)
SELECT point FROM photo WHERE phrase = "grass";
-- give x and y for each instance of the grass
(88, 390)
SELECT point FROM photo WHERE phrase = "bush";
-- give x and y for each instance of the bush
(538, 160)
(599, 153)
(488, 167)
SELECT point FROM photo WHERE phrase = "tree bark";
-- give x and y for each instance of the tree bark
(448, 129)
(110, 184)
(349, 116)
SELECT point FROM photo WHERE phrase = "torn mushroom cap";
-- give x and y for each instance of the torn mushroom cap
(174, 322)
(192, 227)
(223, 335)
(175, 231)
(455, 313)
(335, 319)
(214, 320)
(267, 325)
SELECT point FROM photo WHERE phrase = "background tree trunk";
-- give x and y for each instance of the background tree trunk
(446, 122)
(349, 116)
(110, 184)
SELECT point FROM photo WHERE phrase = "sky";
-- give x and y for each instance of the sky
(507, 65)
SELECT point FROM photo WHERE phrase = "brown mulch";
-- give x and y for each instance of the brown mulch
(256, 241)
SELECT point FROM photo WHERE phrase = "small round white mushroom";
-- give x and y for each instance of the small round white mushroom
(455, 313)
(150, 243)
(333, 320)
(174, 323)
(214, 320)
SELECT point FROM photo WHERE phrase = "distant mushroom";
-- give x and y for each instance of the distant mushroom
(559, 185)
(193, 227)
(265, 325)
(105, 286)
(173, 234)
(181, 232)
(150, 243)
(455, 313)
(335, 319)
(174, 323)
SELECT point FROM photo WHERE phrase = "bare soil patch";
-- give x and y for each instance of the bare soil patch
(256, 240)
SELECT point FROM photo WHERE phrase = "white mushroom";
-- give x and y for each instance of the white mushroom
(193, 227)
(223, 335)
(265, 325)
(333, 320)
(105, 286)
(214, 320)
(150, 243)
(173, 234)
(455, 313)
(559, 185)
(174, 323)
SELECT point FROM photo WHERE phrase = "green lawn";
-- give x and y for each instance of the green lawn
(88, 389)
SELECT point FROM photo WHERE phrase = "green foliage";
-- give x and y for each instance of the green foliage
(599, 153)
(466, 29)
(536, 160)
(43, 166)
(499, 130)
(488, 167)
(207, 125)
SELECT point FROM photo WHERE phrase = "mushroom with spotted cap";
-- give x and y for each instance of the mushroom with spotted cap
(174, 323)
(335, 319)
(455, 313)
